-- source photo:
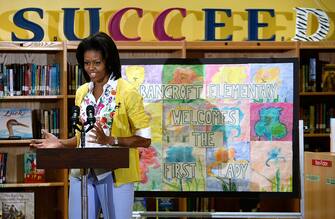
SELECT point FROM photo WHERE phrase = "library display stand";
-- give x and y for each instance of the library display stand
(320, 181)
(56, 186)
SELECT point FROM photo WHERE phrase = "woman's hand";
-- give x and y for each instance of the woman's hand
(99, 136)
(48, 141)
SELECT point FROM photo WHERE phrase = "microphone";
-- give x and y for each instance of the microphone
(90, 115)
(75, 115)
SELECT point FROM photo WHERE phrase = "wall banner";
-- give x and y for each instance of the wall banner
(190, 20)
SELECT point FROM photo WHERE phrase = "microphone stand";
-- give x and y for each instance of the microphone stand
(84, 172)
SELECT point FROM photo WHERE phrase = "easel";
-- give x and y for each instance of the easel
(300, 214)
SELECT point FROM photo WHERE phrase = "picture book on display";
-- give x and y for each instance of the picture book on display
(31, 173)
(18, 205)
(15, 123)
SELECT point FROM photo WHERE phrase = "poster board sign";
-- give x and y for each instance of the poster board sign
(218, 125)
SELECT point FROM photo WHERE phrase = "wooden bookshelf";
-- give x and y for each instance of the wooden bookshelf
(246, 45)
(135, 45)
(317, 135)
(156, 49)
(56, 185)
(317, 45)
(33, 98)
(317, 94)
(13, 143)
(30, 185)
(250, 49)
(320, 101)
(31, 46)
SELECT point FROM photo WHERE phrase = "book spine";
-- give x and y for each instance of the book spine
(312, 74)
(332, 135)
(312, 118)
(1, 167)
(5, 167)
(2, 78)
(57, 78)
(11, 82)
(46, 120)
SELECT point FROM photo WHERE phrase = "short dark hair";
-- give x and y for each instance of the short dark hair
(103, 43)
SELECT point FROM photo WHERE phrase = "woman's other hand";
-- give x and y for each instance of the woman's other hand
(48, 141)
(98, 135)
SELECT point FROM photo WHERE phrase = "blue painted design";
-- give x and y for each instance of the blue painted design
(179, 154)
(270, 125)
(228, 127)
(274, 155)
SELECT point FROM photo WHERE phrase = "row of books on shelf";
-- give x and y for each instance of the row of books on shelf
(24, 123)
(317, 76)
(29, 79)
(25, 170)
(46, 119)
(317, 117)
(75, 78)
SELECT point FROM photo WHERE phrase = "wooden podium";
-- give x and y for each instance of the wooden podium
(83, 158)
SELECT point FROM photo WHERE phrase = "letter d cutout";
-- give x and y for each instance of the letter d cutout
(301, 25)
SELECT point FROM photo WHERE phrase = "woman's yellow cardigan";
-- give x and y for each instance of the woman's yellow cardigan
(128, 118)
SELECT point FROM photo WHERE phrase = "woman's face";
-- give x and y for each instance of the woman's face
(95, 66)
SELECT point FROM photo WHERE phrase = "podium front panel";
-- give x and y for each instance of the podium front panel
(68, 158)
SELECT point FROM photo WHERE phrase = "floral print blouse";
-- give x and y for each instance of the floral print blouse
(104, 107)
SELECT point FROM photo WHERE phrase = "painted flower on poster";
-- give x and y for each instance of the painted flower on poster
(148, 158)
(223, 156)
(184, 76)
(269, 125)
(230, 75)
(267, 75)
